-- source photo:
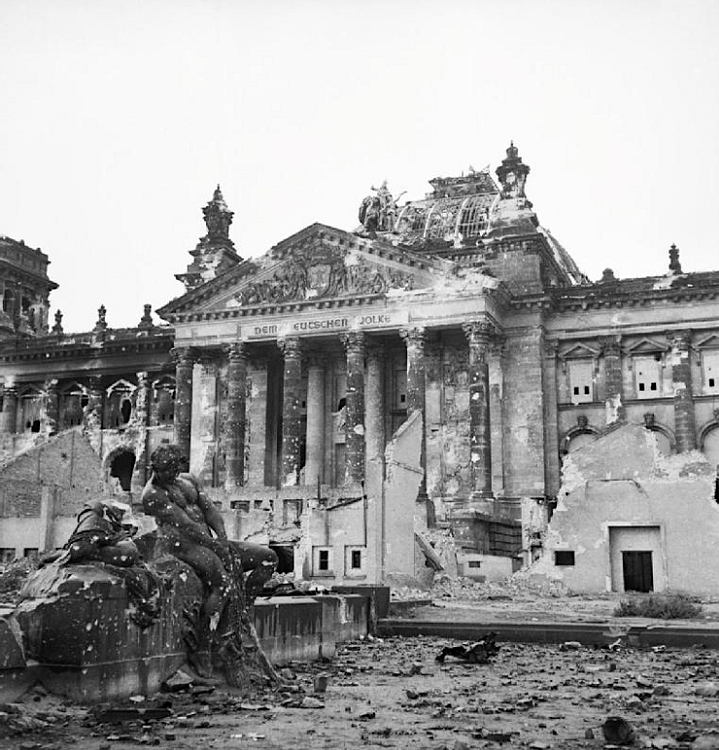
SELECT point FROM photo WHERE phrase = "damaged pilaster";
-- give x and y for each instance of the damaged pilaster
(684, 419)
(184, 364)
(233, 428)
(354, 344)
(291, 416)
(478, 336)
(8, 416)
(613, 397)
(142, 419)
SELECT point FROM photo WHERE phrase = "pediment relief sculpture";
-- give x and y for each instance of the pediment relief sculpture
(318, 277)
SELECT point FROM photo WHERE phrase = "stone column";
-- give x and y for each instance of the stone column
(141, 417)
(315, 439)
(374, 419)
(415, 339)
(233, 428)
(8, 417)
(480, 452)
(684, 419)
(52, 407)
(613, 397)
(354, 343)
(184, 364)
(291, 416)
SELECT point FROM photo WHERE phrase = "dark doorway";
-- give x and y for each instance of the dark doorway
(637, 568)
(121, 467)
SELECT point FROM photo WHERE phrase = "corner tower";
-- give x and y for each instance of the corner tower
(215, 252)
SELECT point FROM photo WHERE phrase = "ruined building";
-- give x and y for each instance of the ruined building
(350, 388)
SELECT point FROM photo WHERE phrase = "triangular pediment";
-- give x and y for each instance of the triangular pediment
(708, 342)
(579, 351)
(314, 266)
(646, 346)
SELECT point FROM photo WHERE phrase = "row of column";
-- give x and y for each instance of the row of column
(363, 403)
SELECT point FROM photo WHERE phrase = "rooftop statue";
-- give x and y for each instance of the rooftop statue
(378, 213)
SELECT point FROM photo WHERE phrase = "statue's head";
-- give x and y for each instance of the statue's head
(167, 462)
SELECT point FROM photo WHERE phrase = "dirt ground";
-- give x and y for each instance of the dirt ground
(392, 693)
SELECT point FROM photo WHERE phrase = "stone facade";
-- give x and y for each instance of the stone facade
(288, 375)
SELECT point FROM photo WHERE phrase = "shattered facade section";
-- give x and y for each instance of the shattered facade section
(631, 519)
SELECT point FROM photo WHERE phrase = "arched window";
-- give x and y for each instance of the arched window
(120, 403)
(73, 399)
(164, 397)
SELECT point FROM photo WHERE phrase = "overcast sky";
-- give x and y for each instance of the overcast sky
(119, 118)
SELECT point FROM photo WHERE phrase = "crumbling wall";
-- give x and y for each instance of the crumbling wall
(620, 494)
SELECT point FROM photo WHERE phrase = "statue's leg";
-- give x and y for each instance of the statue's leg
(211, 572)
(123, 554)
(259, 561)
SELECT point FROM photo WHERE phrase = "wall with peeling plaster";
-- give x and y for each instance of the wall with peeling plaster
(621, 482)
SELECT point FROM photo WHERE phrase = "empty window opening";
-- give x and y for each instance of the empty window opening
(323, 559)
(710, 371)
(121, 468)
(474, 563)
(356, 559)
(564, 557)
(648, 371)
(581, 381)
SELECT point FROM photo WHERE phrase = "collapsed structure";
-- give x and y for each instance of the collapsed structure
(347, 390)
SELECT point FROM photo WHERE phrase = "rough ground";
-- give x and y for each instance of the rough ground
(392, 693)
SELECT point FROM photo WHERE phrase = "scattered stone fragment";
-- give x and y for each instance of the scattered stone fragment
(617, 731)
(570, 646)
(309, 702)
(708, 690)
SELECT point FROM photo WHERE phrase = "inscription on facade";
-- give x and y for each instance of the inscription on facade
(324, 325)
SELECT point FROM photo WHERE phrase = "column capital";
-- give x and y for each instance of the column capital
(353, 342)
(610, 346)
(184, 355)
(479, 332)
(10, 390)
(235, 352)
(291, 347)
(413, 336)
(679, 339)
(51, 386)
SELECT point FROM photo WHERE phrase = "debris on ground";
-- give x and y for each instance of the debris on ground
(479, 652)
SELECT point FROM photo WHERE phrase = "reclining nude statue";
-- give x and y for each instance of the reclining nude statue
(232, 572)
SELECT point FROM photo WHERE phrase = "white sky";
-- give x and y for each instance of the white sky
(117, 120)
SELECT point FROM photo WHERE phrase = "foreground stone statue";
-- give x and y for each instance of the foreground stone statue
(233, 573)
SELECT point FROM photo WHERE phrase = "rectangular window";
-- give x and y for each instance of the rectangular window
(581, 381)
(564, 557)
(355, 560)
(322, 561)
(647, 373)
(7, 554)
(31, 553)
(710, 372)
